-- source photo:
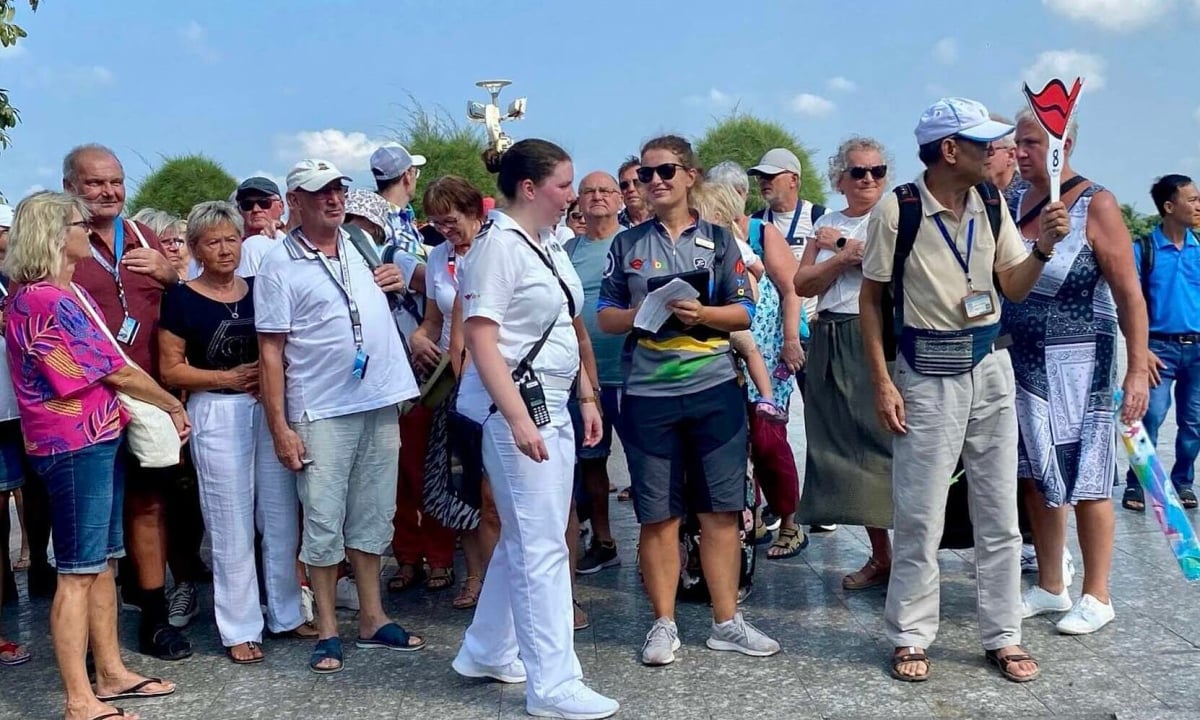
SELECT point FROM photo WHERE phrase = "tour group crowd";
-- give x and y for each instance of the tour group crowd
(354, 380)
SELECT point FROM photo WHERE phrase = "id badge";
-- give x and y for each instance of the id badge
(360, 364)
(129, 330)
(978, 304)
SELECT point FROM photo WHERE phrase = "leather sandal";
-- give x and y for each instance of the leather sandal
(903, 655)
(1004, 665)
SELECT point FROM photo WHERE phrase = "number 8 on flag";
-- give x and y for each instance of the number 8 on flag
(1054, 107)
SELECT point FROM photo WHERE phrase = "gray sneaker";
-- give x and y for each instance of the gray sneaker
(740, 636)
(661, 643)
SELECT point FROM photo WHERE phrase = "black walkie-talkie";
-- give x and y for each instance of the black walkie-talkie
(534, 398)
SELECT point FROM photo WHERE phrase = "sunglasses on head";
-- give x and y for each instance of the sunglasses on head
(666, 171)
(858, 172)
(250, 203)
(625, 185)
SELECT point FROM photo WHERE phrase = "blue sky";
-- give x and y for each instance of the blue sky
(259, 85)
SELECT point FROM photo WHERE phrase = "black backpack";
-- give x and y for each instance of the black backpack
(892, 302)
(1146, 243)
(813, 215)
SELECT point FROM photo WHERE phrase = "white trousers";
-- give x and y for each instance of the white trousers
(244, 486)
(525, 609)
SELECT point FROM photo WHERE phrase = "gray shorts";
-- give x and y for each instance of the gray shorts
(348, 491)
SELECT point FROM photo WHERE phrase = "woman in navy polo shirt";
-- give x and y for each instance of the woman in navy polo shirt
(683, 412)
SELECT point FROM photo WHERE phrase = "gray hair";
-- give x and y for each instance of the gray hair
(1008, 140)
(1072, 129)
(207, 215)
(839, 162)
(69, 169)
(38, 238)
(731, 174)
(160, 222)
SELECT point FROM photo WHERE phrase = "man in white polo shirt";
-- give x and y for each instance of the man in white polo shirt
(333, 371)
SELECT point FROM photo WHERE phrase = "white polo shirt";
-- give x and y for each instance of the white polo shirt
(442, 286)
(842, 295)
(294, 294)
(503, 280)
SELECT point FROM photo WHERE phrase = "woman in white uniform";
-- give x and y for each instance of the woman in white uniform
(519, 297)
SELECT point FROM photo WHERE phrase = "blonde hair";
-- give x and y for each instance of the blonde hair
(39, 235)
(160, 222)
(720, 204)
(1072, 133)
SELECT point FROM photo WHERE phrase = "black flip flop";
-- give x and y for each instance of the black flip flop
(1187, 498)
(135, 692)
(1133, 494)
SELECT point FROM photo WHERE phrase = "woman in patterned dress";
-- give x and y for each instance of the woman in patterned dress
(1064, 359)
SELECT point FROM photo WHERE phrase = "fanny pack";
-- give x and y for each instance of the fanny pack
(948, 352)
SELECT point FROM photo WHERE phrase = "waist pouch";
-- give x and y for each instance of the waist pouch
(947, 352)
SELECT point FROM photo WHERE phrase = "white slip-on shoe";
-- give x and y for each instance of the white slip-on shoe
(512, 673)
(1038, 601)
(587, 704)
(1086, 617)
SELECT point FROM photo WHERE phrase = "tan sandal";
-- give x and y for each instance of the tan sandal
(439, 579)
(904, 655)
(871, 575)
(1004, 665)
(468, 596)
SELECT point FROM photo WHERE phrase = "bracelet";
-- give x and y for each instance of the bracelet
(590, 399)
(1042, 256)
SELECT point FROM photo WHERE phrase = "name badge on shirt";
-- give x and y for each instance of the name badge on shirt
(129, 330)
(978, 304)
(360, 364)
(705, 243)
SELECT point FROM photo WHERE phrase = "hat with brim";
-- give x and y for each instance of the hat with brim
(256, 186)
(776, 161)
(312, 175)
(6, 216)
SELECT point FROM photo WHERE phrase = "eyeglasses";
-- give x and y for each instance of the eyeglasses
(858, 172)
(666, 171)
(598, 191)
(984, 147)
(173, 242)
(251, 203)
(80, 224)
(626, 184)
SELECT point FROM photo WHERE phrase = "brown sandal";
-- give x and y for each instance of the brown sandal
(1003, 664)
(468, 596)
(871, 575)
(904, 655)
(252, 660)
(406, 576)
(439, 579)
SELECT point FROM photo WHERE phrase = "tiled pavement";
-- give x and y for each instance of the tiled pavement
(1144, 666)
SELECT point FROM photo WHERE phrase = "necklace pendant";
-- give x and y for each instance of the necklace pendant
(235, 315)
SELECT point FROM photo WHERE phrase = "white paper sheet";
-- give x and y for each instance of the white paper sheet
(654, 310)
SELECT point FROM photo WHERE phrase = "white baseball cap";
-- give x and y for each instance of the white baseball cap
(312, 175)
(775, 161)
(959, 116)
(6, 216)
(392, 161)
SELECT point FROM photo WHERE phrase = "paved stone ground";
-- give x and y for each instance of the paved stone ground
(833, 665)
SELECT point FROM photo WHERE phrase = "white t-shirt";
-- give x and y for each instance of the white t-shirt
(842, 295)
(503, 280)
(800, 234)
(442, 286)
(294, 294)
(254, 249)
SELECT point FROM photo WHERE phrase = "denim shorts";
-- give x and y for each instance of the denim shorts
(87, 494)
(12, 456)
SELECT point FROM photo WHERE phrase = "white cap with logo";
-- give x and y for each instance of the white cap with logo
(6, 216)
(959, 116)
(312, 175)
(775, 161)
(392, 161)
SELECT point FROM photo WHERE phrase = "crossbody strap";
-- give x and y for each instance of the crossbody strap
(526, 364)
(95, 316)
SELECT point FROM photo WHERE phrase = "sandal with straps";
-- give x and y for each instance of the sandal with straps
(468, 596)
(439, 579)
(791, 541)
(1134, 498)
(1004, 663)
(904, 655)
(871, 575)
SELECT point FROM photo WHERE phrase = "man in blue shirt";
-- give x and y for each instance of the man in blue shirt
(1168, 262)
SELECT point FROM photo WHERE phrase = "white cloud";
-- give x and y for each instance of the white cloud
(812, 105)
(12, 52)
(1066, 65)
(348, 150)
(72, 78)
(1116, 15)
(841, 84)
(936, 90)
(31, 190)
(946, 51)
(714, 98)
(195, 40)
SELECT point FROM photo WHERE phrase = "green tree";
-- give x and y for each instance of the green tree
(1139, 225)
(744, 138)
(10, 33)
(181, 182)
(449, 147)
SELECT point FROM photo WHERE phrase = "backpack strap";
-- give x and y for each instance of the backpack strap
(994, 206)
(909, 198)
(755, 239)
(1146, 245)
(815, 213)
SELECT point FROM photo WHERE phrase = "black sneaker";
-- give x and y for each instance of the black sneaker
(771, 520)
(1187, 498)
(598, 557)
(165, 643)
(818, 529)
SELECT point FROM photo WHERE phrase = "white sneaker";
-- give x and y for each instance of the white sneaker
(661, 643)
(1088, 616)
(513, 672)
(306, 603)
(1038, 601)
(740, 636)
(587, 704)
(347, 594)
(1029, 559)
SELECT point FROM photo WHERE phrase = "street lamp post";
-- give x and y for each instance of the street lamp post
(490, 116)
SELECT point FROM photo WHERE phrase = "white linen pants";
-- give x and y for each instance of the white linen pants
(244, 486)
(525, 609)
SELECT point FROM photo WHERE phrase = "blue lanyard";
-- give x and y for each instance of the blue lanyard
(791, 233)
(114, 269)
(964, 263)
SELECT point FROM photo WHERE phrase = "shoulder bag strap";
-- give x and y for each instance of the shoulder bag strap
(95, 316)
(1036, 210)
(137, 231)
(526, 363)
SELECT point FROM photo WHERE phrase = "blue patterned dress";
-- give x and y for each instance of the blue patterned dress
(767, 329)
(1064, 359)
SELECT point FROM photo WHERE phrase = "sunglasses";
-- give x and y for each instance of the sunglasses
(858, 172)
(666, 171)
(626, 184)
(576, 215)
(251, 203)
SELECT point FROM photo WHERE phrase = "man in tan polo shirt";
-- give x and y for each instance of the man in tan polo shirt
(953, 392)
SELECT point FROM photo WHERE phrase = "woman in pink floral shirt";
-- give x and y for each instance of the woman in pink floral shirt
(66, 374)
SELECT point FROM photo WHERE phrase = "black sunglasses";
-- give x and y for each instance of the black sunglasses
(249, 204)
(666, 171)
(625, 185)
(858, 172)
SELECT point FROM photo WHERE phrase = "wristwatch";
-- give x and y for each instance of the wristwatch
(841, 243)
(1041, 256)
